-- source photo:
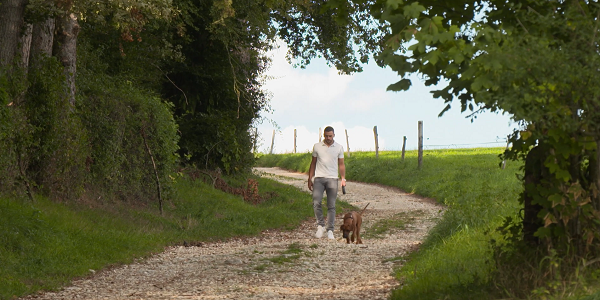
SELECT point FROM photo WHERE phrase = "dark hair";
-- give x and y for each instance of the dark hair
(329, 128)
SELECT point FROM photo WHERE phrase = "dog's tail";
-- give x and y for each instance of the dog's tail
(363, 210)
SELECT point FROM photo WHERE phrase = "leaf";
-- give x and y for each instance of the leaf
(401, 85)
(447, 108)
(433, 57)
(399, 64)
(413, 10)
(445, 36)
(394, 3)
(481, 82)
(451, 69)
(563, 174)
(477, 84)
(549, 219)
(556, 200)
(437, 20)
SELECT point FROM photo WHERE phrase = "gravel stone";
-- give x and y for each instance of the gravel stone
(240, 268)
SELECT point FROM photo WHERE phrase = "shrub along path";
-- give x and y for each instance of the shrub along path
(280, 264)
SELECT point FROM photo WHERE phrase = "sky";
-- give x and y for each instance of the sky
(310, 99)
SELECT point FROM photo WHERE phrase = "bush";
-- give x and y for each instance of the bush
(217, 140)
(100, 147)
(41, 142)
(121, 121)
(56, 145)
(7, 124)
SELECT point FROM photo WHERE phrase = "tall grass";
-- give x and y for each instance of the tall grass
(44, 245)
(454, 261)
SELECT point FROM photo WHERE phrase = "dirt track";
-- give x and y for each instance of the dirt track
(261, 268)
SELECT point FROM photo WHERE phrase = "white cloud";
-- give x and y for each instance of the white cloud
(359, 138)
(291, 87)
(312, 98)
(368, 100)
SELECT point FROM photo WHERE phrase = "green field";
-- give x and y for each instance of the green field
(456, 260)
(44, 244)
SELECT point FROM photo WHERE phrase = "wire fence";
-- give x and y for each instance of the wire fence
(374, 144)
(500, 143)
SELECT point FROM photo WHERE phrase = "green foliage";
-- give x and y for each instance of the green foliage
(550, 274)
(208, 59)
(44, 245)
(55, 148)
(41, 139)
(94, 148)
(7, 123)
(217, 140)
(533, 60)
(343, 32)
(217, 86)
(216, 90)
(120, 120)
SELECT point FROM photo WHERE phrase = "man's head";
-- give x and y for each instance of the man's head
(328, 135)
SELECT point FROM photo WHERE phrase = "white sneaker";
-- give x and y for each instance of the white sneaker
(330, 235)
(320, 231)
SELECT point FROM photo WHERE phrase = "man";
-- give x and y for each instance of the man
(327, 161)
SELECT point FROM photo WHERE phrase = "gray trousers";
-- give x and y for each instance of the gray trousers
(330, 186)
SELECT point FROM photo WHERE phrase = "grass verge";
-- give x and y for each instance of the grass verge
(397, 222)
(44, 245)
(454, 261)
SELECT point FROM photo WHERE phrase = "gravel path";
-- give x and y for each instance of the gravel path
(277, 264)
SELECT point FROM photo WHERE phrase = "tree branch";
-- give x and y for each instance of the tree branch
(595, 30)
(173, 83)
(235, 87)
(160, 206)
(518, 20)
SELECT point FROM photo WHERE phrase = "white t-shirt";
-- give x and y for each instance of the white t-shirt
(327, 159)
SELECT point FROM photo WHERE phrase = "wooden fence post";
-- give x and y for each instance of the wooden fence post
(272, 142)
(347, 144)
(403, 147)
(376, 142)
(294, 140)
(320, 133)
(255, 141)
(507, 143)
(420, 144)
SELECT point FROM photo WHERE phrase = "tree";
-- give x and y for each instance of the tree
(89, 71)
(46, 139)
(536, 60)
(217, 87)
(12, 14)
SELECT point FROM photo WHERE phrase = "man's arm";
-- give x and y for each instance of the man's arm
(311, 172)
(342, 170)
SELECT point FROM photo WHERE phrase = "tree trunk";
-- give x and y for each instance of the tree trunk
(534, 172)
(11, 26)
(41, 42)
(25, 46)
(594, 171)
(65, 49)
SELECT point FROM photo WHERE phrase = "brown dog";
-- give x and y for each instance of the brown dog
(352, 222)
